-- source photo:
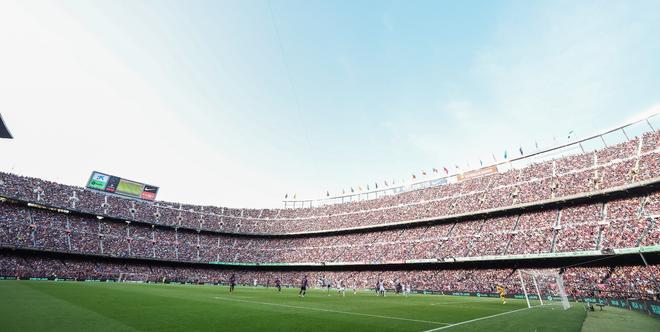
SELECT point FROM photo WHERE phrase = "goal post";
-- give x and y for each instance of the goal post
(522, 284)
(543, 283)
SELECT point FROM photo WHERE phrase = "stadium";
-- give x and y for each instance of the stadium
(564, 237)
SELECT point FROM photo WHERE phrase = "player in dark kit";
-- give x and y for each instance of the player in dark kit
(303, 287)
(278, 285)
(232, 283)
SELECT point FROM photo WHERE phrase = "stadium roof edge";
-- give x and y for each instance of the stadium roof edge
(4, 131)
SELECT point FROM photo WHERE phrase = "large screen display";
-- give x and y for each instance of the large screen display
(114, 184)
(129, 188)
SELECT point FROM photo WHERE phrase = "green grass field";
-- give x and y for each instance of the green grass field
(55, 306)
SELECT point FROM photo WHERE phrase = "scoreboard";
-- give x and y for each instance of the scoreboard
(116, 185)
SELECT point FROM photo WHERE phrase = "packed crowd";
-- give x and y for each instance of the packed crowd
(616, 282)
(626, 163)
(620, 223)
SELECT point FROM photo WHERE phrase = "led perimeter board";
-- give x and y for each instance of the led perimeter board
(114, 184)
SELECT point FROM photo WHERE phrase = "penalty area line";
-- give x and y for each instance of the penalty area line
(332, 311)
(237, 297)
(477, 319)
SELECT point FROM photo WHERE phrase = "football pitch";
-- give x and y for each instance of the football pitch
(81, 306)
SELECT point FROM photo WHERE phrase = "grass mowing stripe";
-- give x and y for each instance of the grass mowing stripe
(22, 304)
(619, 319)
(452, 303)
(477, 319)
(151, 307)
(333, 311)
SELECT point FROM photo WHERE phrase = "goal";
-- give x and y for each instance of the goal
(547, 287)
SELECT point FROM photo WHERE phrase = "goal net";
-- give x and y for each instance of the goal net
(543, 287)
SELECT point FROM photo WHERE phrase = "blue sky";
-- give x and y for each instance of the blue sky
(237, 103)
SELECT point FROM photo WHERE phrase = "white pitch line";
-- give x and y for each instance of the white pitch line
(239, 297)
(476, 319)
(450, 303)
(333, 311)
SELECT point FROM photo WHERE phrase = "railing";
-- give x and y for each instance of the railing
(590, 143)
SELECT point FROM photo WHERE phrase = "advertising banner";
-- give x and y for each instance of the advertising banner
(477, 173)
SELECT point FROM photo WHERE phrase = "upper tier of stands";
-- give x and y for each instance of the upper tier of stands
(628, 163)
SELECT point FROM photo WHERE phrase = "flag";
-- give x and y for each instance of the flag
(435, 170)
(494, 159)
(536, 144)
(521, 151)
(295, 195)
(376, 184)
(506, 155)
(481, 162)
(446, 170)
(360, 188)
(327, 194)
(386, 185)
(570, 133)
(424, 173)
(413, 176)
(352, 190)
(368, 187)
(286, 196)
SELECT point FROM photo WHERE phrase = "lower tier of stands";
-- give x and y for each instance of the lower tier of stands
(637, 281)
